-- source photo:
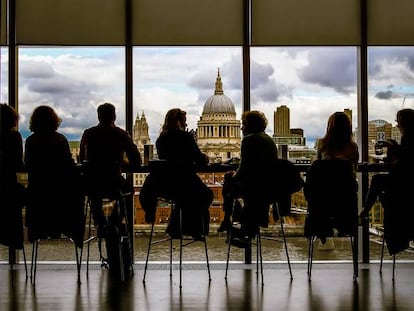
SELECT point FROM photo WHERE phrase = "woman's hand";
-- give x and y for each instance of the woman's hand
(392, 150)
(193, 133)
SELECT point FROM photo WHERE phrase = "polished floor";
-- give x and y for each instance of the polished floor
(331, 288)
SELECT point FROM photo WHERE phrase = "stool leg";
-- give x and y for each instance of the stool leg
(11, 267)
(171, 239)
(259, 247)
(128, 237)
(171, 248)
(229, 237)
(354, 256)
(119, 233)
(181, 247)
(148, 252)
(257, 253)
(25, 262)
(382, 253)
(89, 236)
(282, 228)
(286, 248)
(393, 268)
(130, 240)
(35, 247)
(78, 263)
(205, 248)
(310, 256)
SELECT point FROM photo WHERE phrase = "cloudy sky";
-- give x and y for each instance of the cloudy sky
(312, 82)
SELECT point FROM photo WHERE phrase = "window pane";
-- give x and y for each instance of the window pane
(74, 81)
(185, 78)
(298, 89)
(390, 80)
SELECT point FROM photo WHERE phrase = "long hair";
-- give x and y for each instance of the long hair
(173, 120)
(338, 132)
(44, 119)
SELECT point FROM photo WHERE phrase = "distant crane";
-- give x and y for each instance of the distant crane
(402, 106)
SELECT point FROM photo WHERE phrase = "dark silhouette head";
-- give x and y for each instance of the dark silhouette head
(44, 119)
(175, 120)
(405, 121)
(253, 122)
(8, 117)
(106, 114)
(338, 130)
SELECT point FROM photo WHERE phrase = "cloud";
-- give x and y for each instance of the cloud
(391, 65)
(385, 95)
(312, 82)
(331, 67)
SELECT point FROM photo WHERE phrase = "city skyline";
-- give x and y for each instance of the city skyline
(313, 82)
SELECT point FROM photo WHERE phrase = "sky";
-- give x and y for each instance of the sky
(312, 81)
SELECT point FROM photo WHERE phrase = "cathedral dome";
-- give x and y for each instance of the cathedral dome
(219, 103)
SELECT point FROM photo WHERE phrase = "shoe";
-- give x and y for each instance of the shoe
(174, 235)
(198, 237)
(241, 242)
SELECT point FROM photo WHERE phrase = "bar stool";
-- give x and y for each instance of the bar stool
(331, 192)
(12, 260)
(382, 258)
(282, 229)
(71, 228)
(170, 239)
(33, 266)
(91, 237)
(117, 235)
(236, 226)
(119, 230)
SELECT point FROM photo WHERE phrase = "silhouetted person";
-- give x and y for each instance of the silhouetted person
(54, 200)
(11, 192)
(253, 179)
(178, 147)
(396, 153)
(328, 207)
(338, 142)
(179, 181)
(106, 150)
(395, 188)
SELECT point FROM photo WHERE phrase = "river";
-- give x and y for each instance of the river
(64, 250)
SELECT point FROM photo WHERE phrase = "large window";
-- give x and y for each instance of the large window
(74, 81)
(391, 88)
(184, 78)
(313, 82)
(304, 56)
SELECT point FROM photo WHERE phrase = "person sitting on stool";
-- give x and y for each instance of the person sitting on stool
(252, 179)
(103, 148)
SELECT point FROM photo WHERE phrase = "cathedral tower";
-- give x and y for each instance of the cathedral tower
(218, 130)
